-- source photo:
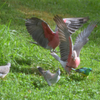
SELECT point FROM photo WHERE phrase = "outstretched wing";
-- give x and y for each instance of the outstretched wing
(65, 40)
(74, 24)
(36, 30)
(82, 38)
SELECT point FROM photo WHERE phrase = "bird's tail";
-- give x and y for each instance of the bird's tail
(40, 70)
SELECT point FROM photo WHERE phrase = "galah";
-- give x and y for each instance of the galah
(4, 70)
(49, 77)
(84, 71)
(69, 53)
(44, 35)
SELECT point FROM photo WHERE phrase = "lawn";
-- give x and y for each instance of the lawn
(24, 82)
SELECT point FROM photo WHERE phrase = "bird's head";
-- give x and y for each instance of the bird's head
(89, 69)
(9, 64)
(74, 55)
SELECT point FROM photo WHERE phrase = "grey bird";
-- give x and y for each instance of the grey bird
(50, 77)
(45, 36)
(69, 53)
(4, 70)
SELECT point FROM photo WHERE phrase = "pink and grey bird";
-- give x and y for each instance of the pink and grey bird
(44, 35)
(69, 53)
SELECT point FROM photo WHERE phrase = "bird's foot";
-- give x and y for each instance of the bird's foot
(53, 50)
(57, 51)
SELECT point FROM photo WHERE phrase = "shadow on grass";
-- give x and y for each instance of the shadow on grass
(31, 70)
(24, 66)
(38, 84)
(23, 61)
(77, 78)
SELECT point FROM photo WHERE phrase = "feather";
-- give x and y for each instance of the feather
(82, 38)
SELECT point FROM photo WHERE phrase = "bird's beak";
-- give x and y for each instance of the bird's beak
(74, 58)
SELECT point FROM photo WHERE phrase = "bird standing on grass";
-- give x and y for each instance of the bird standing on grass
(49, 77)
(84, 71)
(4, 70)
(69, 53)
(44, 36)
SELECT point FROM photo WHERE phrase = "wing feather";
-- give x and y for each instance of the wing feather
(74, 24)
(64, 38)
(34, 27)
(82, 38)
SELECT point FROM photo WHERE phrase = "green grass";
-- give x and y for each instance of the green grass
(24, 81)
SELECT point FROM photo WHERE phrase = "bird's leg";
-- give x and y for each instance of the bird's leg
(55, 51)
(51, 50)
(87, 77)
(68, 75)
(67, 71)
(4, 75)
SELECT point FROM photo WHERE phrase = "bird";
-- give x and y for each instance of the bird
(84, 71)
(4, 70)
(44, 36)
(70, 53)
(50, 77)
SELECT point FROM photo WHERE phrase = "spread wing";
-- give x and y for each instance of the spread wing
(35, 28)
(65, 40)
(74, 24)
(82, 38)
